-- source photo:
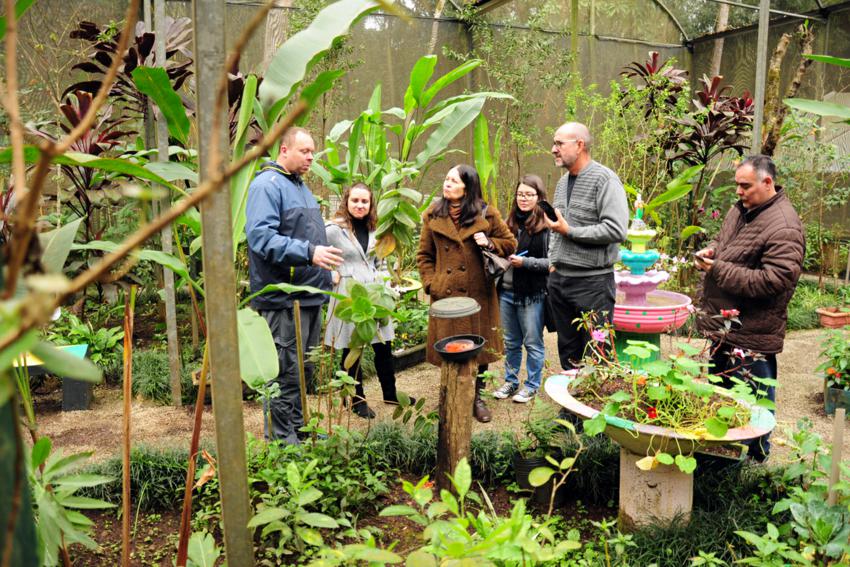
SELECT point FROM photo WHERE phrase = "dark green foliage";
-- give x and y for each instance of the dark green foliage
(490, 455)
(151, 378)
(596, 476)
(408, 451)
(157, 479)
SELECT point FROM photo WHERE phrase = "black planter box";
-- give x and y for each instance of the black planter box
(409, 357)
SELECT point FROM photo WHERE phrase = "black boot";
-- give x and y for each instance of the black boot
(479, 409)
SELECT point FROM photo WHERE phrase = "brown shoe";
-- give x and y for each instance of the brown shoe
(480, 410)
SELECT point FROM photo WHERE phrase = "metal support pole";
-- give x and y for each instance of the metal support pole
(220, 288)
(574, 37)
(761, 73)
(166, 236)
(837, 446)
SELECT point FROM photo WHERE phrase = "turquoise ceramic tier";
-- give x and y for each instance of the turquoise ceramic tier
(638, 262)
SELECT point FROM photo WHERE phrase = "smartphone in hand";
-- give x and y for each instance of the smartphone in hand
(548, 210)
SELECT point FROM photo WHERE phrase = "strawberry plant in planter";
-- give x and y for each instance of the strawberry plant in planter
(836, 371)
(663, 409)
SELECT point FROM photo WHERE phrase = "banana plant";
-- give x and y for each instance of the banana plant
(390, 150)
(487, 162)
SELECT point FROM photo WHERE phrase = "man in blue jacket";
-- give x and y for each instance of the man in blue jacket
(287, 243)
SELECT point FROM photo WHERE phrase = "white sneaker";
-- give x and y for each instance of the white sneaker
(525, 395)
(506, 391)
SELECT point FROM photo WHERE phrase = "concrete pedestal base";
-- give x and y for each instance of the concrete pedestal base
(648, 497)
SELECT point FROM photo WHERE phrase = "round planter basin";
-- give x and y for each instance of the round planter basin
(664, 311)
(645, 439)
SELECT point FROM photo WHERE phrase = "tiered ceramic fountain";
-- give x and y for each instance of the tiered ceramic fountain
(643, 312)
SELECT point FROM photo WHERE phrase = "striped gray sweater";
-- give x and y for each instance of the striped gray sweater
(598, 216)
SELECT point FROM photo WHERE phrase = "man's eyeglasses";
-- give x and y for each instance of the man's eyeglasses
(559, 143)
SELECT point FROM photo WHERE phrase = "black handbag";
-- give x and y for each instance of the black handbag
(494, 265)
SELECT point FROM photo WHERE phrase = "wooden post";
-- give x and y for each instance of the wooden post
(646, 497)
(761, 72)
(837, 446)
(174, 363)
(457, 390)
(220, 287)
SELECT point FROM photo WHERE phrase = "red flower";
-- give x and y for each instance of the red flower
(641, 380)
(729, 313)
(830, 371)
(429, 484)
(651, 413)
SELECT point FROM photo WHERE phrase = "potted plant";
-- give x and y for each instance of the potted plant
(541, 436)
(838, 315)
(409, 344)
(836, 371)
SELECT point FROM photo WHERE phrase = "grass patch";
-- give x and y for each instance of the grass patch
(801, 310)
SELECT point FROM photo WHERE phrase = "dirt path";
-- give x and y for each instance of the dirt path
(99, 429)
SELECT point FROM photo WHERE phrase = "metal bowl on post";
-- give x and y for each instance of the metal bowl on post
(459, 348)
(457, 385)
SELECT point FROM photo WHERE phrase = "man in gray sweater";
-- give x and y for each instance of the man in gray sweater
(593, 215)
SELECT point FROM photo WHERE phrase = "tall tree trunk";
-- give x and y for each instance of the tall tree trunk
(717, 53)
(774, 119)
(275, 30)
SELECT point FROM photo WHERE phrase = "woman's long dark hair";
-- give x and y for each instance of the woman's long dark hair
(472, 202)
(536, 221)
(344, 215)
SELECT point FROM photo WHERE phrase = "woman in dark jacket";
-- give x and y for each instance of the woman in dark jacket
(454, 229)
(522, 292)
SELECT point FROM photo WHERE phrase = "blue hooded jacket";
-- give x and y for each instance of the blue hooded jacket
(283, 226)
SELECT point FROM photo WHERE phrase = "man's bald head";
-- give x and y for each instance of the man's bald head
(571, 146)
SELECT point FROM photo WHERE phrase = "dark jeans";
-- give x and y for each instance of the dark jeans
(571, 296)
(285, 410)
(384, 368)
(726, 366)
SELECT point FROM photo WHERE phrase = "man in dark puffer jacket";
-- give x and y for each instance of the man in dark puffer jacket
(287, 243)
(751, 270)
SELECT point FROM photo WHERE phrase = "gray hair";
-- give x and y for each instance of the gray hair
(762, 165)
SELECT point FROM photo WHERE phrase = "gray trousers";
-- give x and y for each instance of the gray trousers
(286, 416)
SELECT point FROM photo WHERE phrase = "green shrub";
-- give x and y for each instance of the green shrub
(801, 310)
(413, 452)
(157, 479)
(491, 458)
(152, 379)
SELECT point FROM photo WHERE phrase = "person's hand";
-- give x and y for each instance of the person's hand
(481, 239)
(560, 226)
(516, 261)
(327, 257)
(704, 259)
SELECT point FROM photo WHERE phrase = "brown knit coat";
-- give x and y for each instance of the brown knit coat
(758, 260)
(450, 265)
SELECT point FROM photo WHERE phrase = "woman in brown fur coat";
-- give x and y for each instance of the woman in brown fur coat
(454, 229)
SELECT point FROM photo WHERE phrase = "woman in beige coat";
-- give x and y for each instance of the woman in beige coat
(352, 230)
(454, 229)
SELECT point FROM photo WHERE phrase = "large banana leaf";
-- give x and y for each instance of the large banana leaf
(295, 57)
(56, 245)
(840, 61)
(447, 79)
(110, 165)
(258, 362)
(820, 107)
(154, 82)
(461, 116)
(421, 73)
(676, 189)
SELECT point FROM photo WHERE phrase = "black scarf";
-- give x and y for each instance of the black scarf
(530, 286)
